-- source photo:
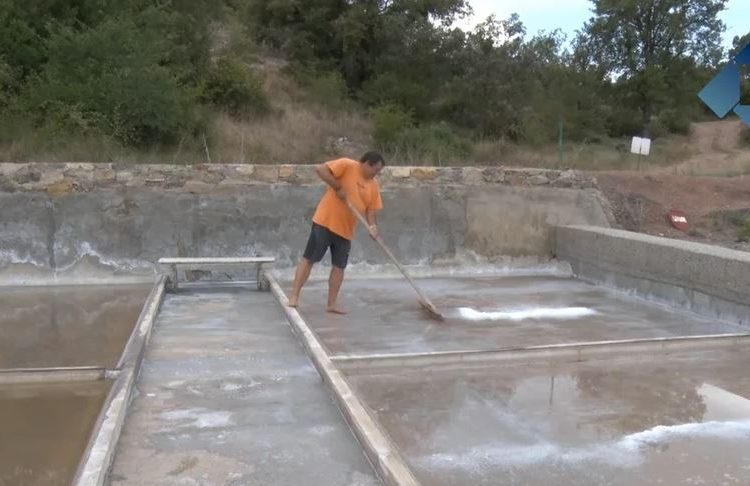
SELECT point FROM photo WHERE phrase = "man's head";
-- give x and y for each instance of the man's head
(372, 163)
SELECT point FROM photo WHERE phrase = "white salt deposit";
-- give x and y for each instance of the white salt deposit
(561, 313)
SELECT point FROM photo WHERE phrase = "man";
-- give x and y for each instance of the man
(333, 222)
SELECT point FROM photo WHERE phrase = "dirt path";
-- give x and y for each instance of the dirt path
(641, 201)
(712, 187)
(716, 150)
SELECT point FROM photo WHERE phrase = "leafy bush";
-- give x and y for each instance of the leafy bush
(435, 141)
(6, 83)
(389, 123)
(328, 90)
(109, 79)
(231, 87)
(623, 121)
(390, 88)
(394, 130)
(675, 121)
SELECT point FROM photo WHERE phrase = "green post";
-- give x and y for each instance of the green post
(560, 145)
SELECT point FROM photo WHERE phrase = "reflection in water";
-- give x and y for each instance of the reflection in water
(591, 417)
(626, 452)
(722, 404)
(67, 326)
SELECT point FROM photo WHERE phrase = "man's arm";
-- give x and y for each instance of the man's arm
(372, 222)
(324, 172)
(376, 204)
(372, 217)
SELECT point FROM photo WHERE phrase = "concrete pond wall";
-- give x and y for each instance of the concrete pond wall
(708, 280)
(68, 218)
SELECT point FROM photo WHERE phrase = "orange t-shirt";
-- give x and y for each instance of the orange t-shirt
(333, 213)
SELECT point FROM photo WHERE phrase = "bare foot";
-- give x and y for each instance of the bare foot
(293, 303)
(336, 310)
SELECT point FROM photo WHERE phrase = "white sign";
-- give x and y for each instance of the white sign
(641, 146)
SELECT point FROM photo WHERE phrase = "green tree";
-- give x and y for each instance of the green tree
(738, 44)
(487, 89)
(109, 79)
(349, 36)
(639, 42)
(231, 87)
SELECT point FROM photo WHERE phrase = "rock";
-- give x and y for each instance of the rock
(245, 170)
(538, 180)
(305, 174)
(79, 166)
(104, 174)
(52, 176)
(267, 173)
(6, 185)
(493, 174)
(198, 187)
(211, 177)
(26, 175)
(124, 176)
(286, 171)
(424, 173)
(400, 172)
(472, 176)
(174, 181)
(566, 179)
(60, 188)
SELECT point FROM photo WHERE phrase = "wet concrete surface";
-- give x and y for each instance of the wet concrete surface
(67, 326)
(384, 316)
(227, 396)
(684, 419)
(44, 429)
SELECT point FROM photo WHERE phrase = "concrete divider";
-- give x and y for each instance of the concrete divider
(708, 280)
(378, 448)
(566, 352)
(97, 459)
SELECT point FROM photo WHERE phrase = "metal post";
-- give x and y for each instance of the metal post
(560, 144)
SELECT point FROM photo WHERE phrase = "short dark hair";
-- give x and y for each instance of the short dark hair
(373, 158)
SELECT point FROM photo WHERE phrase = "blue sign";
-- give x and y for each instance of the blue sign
(722, 94)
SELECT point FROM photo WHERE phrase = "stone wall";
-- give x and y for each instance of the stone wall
(59, 179)
(122, 218)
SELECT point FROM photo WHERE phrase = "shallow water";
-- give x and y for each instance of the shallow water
(45, 429)
(62, 326)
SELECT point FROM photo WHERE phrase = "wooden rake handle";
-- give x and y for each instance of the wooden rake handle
(388, 252)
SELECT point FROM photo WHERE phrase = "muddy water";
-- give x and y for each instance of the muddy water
(67, 326)
(45, 429)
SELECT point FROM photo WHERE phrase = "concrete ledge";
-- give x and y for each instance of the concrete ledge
(708, 280)
(97, 459)
(380, 451)
(41, 375)
(564, 352)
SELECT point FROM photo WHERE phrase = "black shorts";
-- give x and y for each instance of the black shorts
(321, 238)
